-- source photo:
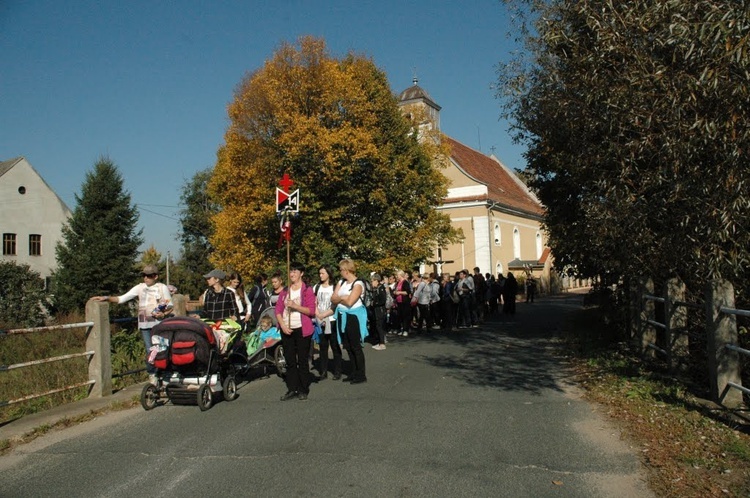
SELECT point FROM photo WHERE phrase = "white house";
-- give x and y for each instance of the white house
(31, 217)
(500, 217)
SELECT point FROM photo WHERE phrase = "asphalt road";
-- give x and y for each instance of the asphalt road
(485, 412)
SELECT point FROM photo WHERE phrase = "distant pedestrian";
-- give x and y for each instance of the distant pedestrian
(380, 295)
(530, 288)
(402, 294)
(510, 289)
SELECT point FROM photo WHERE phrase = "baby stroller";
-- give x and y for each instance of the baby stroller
(262, 349)
(186, 353)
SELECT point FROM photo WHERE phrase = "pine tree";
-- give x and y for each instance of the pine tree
(99, 250)
(368, 185)
(195, 230)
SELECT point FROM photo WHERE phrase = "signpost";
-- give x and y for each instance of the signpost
(287, 204)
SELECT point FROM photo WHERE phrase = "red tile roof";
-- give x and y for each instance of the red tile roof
(501, 186)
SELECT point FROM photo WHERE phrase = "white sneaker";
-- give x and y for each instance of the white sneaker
(405, 334)
(379, 347)
(153, 379)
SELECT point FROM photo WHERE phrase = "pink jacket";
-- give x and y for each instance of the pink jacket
(308, 301)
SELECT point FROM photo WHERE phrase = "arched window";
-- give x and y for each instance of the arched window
(516, 243)
(538, 245)
(497, 234)
(498, 269)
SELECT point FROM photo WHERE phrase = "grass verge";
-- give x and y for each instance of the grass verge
(691, 447)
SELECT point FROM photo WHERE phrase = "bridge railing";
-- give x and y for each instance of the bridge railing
(97, 349)
(721, 334)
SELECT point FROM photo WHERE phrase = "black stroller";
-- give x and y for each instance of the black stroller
(190, 369)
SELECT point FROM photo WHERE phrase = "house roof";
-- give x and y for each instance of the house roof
(5, 166)
(503, 186)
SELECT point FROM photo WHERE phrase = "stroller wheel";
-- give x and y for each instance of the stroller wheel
(229, 387)
(205, 400)
(149, 397)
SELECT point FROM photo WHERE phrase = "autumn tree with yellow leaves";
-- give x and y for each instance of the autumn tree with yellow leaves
(368, 185)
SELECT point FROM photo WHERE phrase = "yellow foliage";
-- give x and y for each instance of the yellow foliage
(334, 126)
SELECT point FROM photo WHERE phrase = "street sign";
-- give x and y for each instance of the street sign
(286, 201)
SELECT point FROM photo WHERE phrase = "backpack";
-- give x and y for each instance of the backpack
(454, 293)
(388, 298)
(367, 295)
(380, 296)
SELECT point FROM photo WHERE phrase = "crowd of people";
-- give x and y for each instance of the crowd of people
(341, 311)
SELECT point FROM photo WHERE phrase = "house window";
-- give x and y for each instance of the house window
(497, 234)
(35, 244)
(499, 269)
(538, 245)
(516, 243)
(9, 244)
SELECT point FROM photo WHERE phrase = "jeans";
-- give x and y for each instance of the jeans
(331, 339)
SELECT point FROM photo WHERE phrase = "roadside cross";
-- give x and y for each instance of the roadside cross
(286, 183)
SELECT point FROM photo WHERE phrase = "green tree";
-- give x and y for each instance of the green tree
(636, 116)
(23, 300)
(368, 186)
(195, 232)
(99, 247)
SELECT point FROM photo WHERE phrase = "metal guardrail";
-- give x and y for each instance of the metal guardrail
(733, 311)
(8, 368)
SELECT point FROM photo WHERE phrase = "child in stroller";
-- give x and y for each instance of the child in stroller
(262, 347)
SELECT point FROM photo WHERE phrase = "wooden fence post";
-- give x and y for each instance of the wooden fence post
(179, 304)
(721, 330)
(646, 331)
(98, 340)
(634, 310)
(676, 323)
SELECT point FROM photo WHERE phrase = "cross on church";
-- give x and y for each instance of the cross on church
(286, 183)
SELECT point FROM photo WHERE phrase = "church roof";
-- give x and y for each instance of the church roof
(503, 187)
(416, 92)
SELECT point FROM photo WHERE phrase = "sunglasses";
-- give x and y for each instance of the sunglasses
(149, 275)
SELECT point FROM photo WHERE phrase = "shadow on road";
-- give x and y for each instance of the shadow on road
(520, 353)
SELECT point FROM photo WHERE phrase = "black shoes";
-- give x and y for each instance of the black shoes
(336, 377)
(302, 396)
(323, 376)
(290, 395)
(359, 381)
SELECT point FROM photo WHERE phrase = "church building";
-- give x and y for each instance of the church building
(499, 216)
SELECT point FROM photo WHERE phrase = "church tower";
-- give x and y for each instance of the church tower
(417, 103)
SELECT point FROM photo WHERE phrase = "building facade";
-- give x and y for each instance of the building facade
(31, 218)
(498, 215)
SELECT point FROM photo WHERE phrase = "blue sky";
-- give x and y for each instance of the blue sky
(147, 83)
